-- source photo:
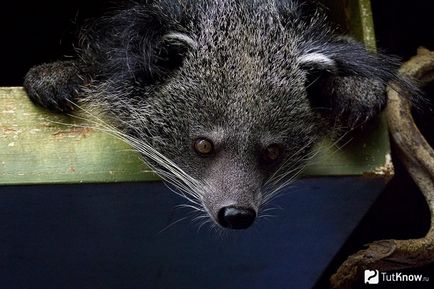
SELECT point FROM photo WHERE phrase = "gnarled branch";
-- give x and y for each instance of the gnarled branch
(418, 158)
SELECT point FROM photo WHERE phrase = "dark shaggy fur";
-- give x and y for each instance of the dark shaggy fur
(253, 78)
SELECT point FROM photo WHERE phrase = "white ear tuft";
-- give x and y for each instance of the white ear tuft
(318, 59)
(180, 37)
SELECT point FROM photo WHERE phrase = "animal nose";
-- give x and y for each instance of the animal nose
(236, 217)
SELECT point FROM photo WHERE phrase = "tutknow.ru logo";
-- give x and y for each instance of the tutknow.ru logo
(375, 277)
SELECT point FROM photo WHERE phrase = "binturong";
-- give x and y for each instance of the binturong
(224, 99)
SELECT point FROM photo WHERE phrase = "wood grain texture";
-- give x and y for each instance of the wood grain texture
(37, 146)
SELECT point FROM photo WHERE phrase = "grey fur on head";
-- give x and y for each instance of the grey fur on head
(224, 99)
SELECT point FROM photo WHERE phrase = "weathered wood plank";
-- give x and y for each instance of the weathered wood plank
(36, 148)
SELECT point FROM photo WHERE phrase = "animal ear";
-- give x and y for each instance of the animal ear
(347, 84)
(317, 62)
(172, 49)
(136, 43)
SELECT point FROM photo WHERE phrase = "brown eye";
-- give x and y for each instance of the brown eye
(203, 147)
(272, 153)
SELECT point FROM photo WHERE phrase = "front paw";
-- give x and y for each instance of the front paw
(54, 85)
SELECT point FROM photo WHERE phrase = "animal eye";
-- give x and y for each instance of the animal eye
(272, 153)
(203, 147)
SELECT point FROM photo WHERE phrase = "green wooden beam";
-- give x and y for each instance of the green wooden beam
(36, 148)
(362, 23)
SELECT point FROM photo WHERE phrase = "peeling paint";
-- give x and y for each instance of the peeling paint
(387, 170)
(7, 130)
(35, 130)
(75, 132)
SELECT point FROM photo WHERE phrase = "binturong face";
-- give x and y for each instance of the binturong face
(237, 145)
(239, 128)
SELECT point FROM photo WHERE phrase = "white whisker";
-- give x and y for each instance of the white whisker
(172, 224)
(186, 186)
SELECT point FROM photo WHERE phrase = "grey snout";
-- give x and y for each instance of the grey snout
(236, 218)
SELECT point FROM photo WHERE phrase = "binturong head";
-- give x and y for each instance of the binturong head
(226, 99)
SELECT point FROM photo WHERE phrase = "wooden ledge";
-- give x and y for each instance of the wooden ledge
(35, 148)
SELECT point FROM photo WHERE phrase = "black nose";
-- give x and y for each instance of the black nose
(236, 218)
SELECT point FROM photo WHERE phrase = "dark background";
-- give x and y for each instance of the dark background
(34, 32)
(42, 31)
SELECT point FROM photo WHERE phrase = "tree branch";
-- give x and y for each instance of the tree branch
(418, 158)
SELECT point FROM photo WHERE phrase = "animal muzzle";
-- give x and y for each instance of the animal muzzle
(237, 218)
